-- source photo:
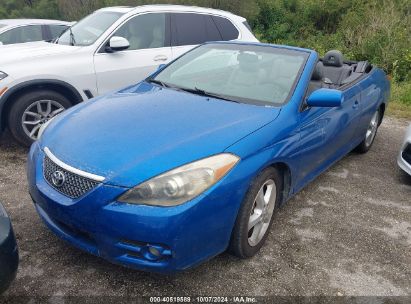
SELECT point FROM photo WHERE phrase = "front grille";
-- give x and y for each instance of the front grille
(406, 154)
(74, 185)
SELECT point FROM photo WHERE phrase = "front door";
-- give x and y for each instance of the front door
(149, 39)
(326, 134)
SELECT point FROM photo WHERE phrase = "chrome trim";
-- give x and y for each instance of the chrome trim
(58, 162)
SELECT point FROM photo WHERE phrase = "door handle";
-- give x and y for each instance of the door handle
(161, 58)
(356, 104)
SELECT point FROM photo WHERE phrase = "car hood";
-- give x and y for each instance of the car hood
(31, 50)
(142, 131)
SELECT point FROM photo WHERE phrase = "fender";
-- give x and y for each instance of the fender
(36, 82)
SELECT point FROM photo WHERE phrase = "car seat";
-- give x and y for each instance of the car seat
(245, 76)
(317, 79)
(333, 67)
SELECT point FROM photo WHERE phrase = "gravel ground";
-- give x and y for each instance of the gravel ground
(348, 234)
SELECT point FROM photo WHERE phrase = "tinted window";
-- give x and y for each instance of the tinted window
(247, 25)
(227, 29)
(146, 31)
(22, 34)
(192, 29)
(56, 30)
(213, 34)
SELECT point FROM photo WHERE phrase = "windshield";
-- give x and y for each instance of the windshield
(89, 29)
(244, 73)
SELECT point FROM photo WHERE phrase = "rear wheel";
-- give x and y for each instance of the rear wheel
(370, 134)
(33, 109)
(256, 214)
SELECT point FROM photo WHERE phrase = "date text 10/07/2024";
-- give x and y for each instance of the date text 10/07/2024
(203, 299)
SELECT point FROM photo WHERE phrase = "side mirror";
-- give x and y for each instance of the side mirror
(325, 98)
(117, 43)
(161, 66)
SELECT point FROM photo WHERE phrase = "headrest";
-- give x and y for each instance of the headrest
(333, 58)
(318, 72)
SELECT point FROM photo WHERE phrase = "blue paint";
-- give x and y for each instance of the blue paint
(325, 98)
(144, 130)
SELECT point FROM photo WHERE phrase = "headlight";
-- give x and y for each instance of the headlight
(44, 127)
(3, 75)
(182, 184)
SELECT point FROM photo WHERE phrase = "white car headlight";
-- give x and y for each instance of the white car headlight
(3, 75)
(182, 184)
(44, 127)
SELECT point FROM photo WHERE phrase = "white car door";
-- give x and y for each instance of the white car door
(149, 38)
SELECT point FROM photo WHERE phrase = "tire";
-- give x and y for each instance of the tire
(27, 103)
(243, 242)
(367, 142)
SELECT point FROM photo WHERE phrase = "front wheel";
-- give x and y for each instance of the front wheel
(256, 214)
(370, 134)
(33, 109)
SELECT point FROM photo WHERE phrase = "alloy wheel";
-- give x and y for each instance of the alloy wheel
(37, 114)
(261, 212)
(372, 129)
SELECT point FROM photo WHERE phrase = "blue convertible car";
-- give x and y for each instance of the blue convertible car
(196, 159)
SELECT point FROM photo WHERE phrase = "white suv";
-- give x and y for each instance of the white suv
(109, 49)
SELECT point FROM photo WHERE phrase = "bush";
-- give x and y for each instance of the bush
(374, 30)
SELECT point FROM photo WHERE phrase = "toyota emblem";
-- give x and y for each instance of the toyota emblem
(58, 178)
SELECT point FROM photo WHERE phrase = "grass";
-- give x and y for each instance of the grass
(400, 104)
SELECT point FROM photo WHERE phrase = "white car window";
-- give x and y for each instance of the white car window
(146, 31)
(56, 30)
(22, 34)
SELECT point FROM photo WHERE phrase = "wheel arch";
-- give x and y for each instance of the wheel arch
(285, 172)
(59, 86)
(382, 111)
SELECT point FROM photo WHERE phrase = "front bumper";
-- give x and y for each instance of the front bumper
(404, 157)
(126, 234)
(6, 88)
(9, 258)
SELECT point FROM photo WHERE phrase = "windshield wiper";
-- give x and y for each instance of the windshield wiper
(163, 84)
(196, 90)
(56, 40)
(72, 40)
(157, 82)
(202, 92)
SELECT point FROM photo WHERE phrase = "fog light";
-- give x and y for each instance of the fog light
(154, 251)
(142, 250)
